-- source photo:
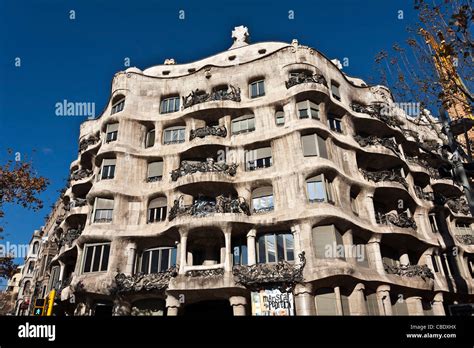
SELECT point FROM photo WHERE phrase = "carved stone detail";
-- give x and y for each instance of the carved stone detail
(281, 274)
(144, 282)
(187, 168)
(410, 271)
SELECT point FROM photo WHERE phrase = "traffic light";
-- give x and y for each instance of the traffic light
(38, 309)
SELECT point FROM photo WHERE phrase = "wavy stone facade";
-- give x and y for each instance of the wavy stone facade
(260, 167)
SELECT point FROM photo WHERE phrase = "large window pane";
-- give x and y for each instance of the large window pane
(97, 256)
(154, 261)
(105, 258)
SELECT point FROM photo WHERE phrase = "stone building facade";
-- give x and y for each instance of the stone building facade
(261, 180)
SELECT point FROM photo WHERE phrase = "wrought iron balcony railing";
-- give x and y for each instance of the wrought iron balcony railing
(80, 174)
(427, 196)
(144, 282)
(400, 220)
(262, 210)
(85, 143)
(389, 143)
(219, 131)
(392, 175)
(154, 178)
(205, 273)
(305, 77)
(197, 96)
(281, 274)
(203, 208)
(434, 173)
(457, 205)
(410, 271)
(467, 239)
(209, 166)
(69, 236)
(377, 111)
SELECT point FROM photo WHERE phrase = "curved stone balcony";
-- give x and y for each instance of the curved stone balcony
(88, 143)
(373, 142)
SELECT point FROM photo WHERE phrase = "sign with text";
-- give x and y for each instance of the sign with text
(270, 302)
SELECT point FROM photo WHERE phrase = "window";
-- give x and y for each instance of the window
(335, 123)
(54, 278)
(157, 210)
(463, 228)
(155, 171)
(108, 169)
(35, 247)
(26, 288)
(308, 109)
(434, 261)
(111, 132)
(319, 189)
(239, 251)
(433, 223)
(169, 105)
(174, 135)
(31, 267)
(150, 138)
(275, 247)
(399, 307)
(257, 89)
(327, 242)
(372, 304)
(96, 257)
(243, 124)
(262, 199)
(326, 302)
(314, 145)
(279, 118)
(353, 199)
(389, 256)
(470, 265)
(118, 105)
(259, 158)
(335, 91)
(157, 260)
(360, 251)
(103, 210)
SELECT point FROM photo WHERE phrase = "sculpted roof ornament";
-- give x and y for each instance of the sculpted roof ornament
(170, 61)
(240, 35)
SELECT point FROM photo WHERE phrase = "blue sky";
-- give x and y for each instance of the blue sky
(76, 59)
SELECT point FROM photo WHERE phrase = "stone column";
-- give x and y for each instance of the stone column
(183, 251)
(228, 250)
(77, 269)
(62, 267)
(131, 253)
(414, 305)
(251, 252)
(383, 297)
(368, 201)
(374, 254)
(172, 305)
(438, 308)
(347, 240)
(295, 230)
(337, 292)
(238, 304)
(304, 300)
(357, 300)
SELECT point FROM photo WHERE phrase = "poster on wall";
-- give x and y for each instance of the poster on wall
(270, 302)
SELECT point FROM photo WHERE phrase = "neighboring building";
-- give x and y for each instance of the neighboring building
(260, 180)
(9, 296)
(27, 285)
